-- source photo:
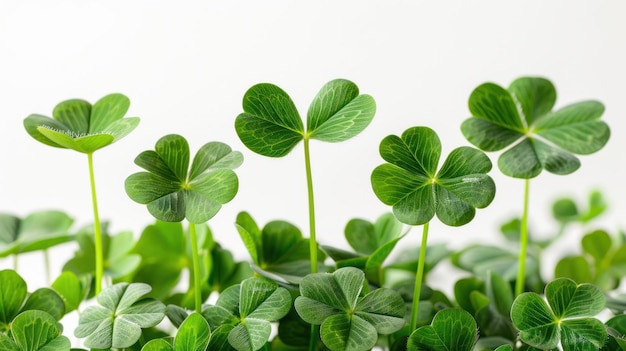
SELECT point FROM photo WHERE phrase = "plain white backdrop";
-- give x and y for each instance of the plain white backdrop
(185, 66)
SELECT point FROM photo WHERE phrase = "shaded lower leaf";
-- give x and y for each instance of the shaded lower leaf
(250, 335)
(582, 334)
(341, 332)
(451, 329)
(35, 330)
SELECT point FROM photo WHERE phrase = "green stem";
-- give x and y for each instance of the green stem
(96, 227)
(312, 235)
(309, 184)
(521, 274)
(196, 268)
(46, 258)
(419, 276)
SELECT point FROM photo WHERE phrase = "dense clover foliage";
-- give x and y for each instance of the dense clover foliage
(295, 294)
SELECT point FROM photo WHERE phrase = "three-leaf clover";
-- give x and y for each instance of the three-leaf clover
(121, 313)
(80, 126)
(417, 190)
(451, 329)
(244, 312)
(348, 320)
(174, 191)
(522, 116)
(567, 317)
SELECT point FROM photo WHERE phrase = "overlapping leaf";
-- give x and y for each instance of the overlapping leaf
(417, 190)
(121, 313)
(271, 125)
(192, 335)
(77, 125)
(567, 317)
(348, 321)
(34, 330)
(278, 250)
(521, 119)
(174, 191)
(246, 310)
(451, 329)
(37, 231)
(15, 299)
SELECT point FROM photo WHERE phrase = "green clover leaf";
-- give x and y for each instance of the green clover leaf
(34, 330)
(119, 316)
(173, 191)
(348, 321)
(246, 310)
(271, 125)
(278, 251)
(192, 335)
(451, 329)
(567, 317)
(544, 139)
(77, 125)
(37, 231)
(15, 299)
(411, 183)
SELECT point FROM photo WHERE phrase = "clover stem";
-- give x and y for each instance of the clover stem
(312, 235)
(196, 268)
(97, 229)
(419, 276)
(309, 183)
(521, 274)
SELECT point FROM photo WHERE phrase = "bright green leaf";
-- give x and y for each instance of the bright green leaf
(411, 184)
(174, 192)
(193, 334)
(35, 330)
(338, 112)
(37, 231)
(79, 126)
(522, 117)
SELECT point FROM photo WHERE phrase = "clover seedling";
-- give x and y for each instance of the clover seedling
(270, 125)
(80, 126)
(173, 190)
(417, 190)
(567, 317)
(520, 119)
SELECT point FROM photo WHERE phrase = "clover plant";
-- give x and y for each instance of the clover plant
(417, 189)
(295, 294)
(80, 126)
(270, 125)
(520, 119)
(174, 190)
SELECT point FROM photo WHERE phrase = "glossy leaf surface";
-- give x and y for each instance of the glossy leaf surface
(567, 316)
(77, 125)
(35, 330)
(173, 190)
(417, 190)
(520, 119)
(116, 321)
(270, 124)
(348, 321)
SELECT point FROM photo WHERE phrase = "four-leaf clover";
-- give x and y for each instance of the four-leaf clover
(543, 139)
(411, 183)
(173, 191)
(77, 125)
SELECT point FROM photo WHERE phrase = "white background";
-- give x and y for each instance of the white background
(185, 66)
